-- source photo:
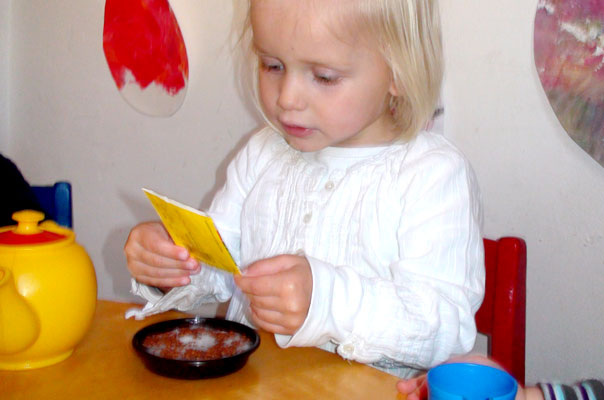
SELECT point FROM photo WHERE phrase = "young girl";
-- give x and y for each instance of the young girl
(357, 231)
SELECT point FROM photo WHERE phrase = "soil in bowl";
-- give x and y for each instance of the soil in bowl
(197, 343)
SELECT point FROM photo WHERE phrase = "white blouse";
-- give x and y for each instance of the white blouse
(392, 235)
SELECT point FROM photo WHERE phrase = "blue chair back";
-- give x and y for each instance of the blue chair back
(56, 202)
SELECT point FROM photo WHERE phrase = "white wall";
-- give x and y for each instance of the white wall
(4, 71)
(68, 121)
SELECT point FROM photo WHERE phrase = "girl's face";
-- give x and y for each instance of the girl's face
(320, 86)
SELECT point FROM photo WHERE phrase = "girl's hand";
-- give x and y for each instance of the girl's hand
(155, 260)
(279, 290)
(414, 388)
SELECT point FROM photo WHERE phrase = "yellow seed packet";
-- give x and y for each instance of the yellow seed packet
(194, 230)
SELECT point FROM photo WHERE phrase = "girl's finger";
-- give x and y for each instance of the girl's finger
(267, 315)
(288, 323)
(268, 325)
(164, 282)
(414, 388)
(167, 249)
(271, 265)
(142, 269)
(258, 285)
(266, 302)
(162, 261)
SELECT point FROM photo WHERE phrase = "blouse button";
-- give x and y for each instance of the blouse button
(329, 185)
(348, 349)
(307, 218)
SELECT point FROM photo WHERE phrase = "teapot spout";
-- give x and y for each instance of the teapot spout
(19, 324)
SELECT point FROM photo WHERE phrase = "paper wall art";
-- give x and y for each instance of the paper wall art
(146, 54)
(569, 56)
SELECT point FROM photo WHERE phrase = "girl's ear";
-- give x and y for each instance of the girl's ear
(392, 89)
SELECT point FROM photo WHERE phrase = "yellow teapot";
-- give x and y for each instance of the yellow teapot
(47, 292)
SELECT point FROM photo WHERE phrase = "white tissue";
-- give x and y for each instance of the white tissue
(209, 286)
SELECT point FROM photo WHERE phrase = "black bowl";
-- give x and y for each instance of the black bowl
(195, 369)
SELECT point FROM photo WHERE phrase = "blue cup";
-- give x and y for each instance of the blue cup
(468, 381)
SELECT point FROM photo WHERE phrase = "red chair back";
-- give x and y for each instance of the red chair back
(502, 315)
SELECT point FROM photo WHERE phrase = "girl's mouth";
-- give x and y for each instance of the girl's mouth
(296, 131)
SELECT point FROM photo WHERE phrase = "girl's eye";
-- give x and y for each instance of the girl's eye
(271, 65)
(326, 79)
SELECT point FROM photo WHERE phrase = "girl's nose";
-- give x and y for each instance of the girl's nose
(291, 93)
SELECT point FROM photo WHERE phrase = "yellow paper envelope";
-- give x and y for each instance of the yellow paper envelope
(193, 230)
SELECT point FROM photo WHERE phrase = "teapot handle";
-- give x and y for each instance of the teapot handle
(19, 323)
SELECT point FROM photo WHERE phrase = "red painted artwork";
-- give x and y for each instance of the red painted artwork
(146, 54)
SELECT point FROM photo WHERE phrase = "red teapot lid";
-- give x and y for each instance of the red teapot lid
(28, 231)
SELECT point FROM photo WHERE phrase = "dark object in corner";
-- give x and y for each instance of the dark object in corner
(16, 195)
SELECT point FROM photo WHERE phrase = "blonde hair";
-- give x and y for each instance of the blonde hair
(408, 34)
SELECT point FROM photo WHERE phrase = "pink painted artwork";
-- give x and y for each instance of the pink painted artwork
(569, 56)
(146, 54)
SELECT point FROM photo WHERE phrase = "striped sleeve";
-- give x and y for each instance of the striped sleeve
(591, 389)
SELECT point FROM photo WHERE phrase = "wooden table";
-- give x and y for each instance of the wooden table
(105, 366)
